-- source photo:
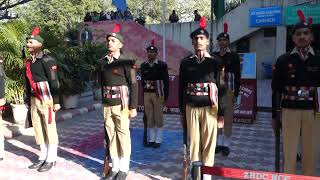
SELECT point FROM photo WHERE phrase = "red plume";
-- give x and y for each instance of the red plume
(310, 21)
(203, 22)
(152, 42)
(116, 28)
(225, 27)
(36, 31)
(301, 16)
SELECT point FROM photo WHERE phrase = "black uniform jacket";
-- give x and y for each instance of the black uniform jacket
(159, 71)
(192, 71)
(44, 69)
(291, 71)
(231, 64)
(121, 71)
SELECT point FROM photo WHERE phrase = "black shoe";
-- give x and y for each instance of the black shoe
(299, 157)
(156, 145)
(218, 149)
(1, 159)
(121, 175)
(225, 151)
(111, 176)
(46, 166)
(37, 164)
(149, 144)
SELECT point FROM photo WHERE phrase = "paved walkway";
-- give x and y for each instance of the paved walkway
(81, 150)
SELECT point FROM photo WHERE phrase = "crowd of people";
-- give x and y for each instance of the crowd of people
(114, 15)
(127, 15)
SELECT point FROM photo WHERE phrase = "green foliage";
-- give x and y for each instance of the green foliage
(77, 65)
(12, 39)
(152, 9)
(232, 4)
(55, 17)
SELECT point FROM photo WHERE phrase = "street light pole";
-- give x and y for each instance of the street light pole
(164, 30)
(211, 26)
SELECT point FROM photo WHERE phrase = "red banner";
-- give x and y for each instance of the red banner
(251, 174)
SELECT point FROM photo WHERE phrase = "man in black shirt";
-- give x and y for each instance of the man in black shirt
(201, 97)
(155, 83)
(42, 90)
(196, 15)
(295, 89)
(231, 65)
(173, 17)
(117, 77)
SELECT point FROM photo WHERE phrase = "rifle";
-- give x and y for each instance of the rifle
(28, 123)
(185, 147)
(277, 133)
(145, 130)
(106, 167)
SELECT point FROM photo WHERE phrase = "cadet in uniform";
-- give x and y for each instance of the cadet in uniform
(155, 82)
(42, 89)
(2, 105)
(296, 81)
(117, 77)
(231, 65)
(201, 97)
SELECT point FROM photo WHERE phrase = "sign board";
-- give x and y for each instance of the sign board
(246, 103)
(270, 16)
(248, 65)
(292, 18)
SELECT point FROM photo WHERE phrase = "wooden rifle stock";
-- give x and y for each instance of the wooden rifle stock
(145, 129)
(185, 147)
(106, 167)
(277, 133)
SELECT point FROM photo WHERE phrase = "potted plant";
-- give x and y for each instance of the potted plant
(69, 74)
(15, 94)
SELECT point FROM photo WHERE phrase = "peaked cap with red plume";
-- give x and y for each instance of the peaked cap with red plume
(302, 22)
(202, 29)
(36, 35)
(224, 34)
(152, 46)
(116, 33)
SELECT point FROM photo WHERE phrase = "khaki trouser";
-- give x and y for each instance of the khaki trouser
(228, 116)
(117, 124)
(153, 107)
(45, 133)
(202, 130)
(294, 121)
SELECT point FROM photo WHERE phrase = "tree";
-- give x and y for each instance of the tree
(152, 9)
(6, 6)
(55, 17)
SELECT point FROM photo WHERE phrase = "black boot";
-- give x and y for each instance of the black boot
(46, 166)
(1, 159)
(149, 144)
(121, 175)
(299, 157)
(37, 164)
(225, 151)
(218, 149)
(157, 145)
(111, 176)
